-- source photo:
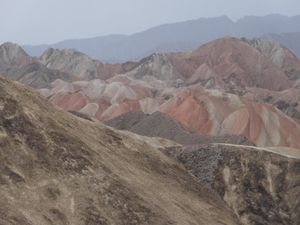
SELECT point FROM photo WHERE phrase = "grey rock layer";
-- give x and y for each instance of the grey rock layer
(261, 185)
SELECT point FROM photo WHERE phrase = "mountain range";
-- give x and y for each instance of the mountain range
(181, 36)
(226, 87)
(205, 136)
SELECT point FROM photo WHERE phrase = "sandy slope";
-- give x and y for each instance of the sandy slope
(59, 169)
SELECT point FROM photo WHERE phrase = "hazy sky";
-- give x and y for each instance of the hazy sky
(49, 21)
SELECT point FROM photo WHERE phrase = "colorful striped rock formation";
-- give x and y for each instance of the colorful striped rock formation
(213, 112)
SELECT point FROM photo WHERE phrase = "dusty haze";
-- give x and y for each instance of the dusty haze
(49, 21)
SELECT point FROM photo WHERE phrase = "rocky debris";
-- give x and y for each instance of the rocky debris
(56, 168)
(261, 185)
(161, 125)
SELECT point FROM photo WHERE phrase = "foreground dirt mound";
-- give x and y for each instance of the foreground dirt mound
(161, 125)
(56, 168)
(261, 185)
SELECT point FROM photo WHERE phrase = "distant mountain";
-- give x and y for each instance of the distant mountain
(227, 63)
(182, 36)
(290, 40)
(12, 55)
(91, 46)
(65, 64)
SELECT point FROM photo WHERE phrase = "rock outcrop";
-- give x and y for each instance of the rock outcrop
(277, 53)
(261, 185)
(13, 55)
(80, 65)
(71, 61)
(16, 64)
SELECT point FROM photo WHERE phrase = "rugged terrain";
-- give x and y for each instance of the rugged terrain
(261, 185)
(59, 169)
(226, 87)
(53, 64)
(231, 107)
(208, 112)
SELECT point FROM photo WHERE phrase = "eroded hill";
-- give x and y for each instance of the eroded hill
(59, 169)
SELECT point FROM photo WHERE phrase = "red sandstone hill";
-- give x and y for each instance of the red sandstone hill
(229, 64)
(215, 113)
